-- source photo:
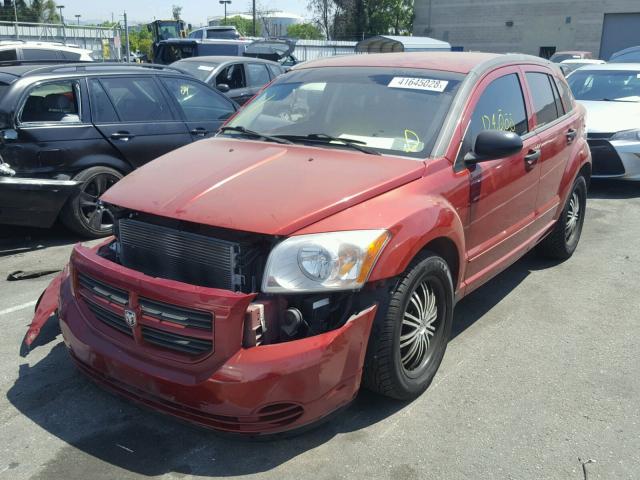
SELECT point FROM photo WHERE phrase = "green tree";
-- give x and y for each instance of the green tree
(243, 25)
(306, 31)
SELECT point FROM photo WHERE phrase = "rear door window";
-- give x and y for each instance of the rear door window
(233, 75)
(102, 109)
(39, 54)
(544, 101)
(197, 102)
(258, 74)
(137, 99)
(500, 107)
(52, 102)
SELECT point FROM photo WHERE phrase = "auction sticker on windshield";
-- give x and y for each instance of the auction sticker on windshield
(419, 83)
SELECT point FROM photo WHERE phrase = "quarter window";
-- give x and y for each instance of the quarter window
(500, 107)
(53, 102)
(198, 103)
(258, 74)
(137, 99)
(39, 54)
(8, 55)
(544, 101)
(565, 95)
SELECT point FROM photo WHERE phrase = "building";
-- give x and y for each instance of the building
(272, 23)
(537, 27)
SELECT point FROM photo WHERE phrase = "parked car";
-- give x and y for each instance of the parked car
(228, 32)
(611, 95)
(13, 50)
(276, 50)
(170, 51)
(628, 55)
(568, 66)
(570, 54)
(323, 238)
(237, 77)
(69, 132)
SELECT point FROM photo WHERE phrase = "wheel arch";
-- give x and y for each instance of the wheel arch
(91, 161)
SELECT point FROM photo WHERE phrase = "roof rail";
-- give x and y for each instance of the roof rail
(14, 63)
(87, 66)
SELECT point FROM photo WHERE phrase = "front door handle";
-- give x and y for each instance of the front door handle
(199, 132)
(124, 136)
(531, 158)
(571, 136)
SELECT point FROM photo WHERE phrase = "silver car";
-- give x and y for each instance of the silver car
(611, 95)
(240, 78)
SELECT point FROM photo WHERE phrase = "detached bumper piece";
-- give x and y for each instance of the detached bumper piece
(179, 350)
(33, 202)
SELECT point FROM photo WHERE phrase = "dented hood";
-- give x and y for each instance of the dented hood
(257, 186)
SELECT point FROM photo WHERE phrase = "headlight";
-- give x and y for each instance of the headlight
(630, 135)
(323, 261)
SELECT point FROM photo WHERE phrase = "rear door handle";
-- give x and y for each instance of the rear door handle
(124, 136)
(199, 132)
(531, 158)
(571, 135)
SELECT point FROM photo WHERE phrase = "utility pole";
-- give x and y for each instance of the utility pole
(64, 30)
(15, 11)
(225, 3)
(126, 39)
(254, 18)
(77, 15)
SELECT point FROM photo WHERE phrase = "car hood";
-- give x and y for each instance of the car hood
(609, 117)
(257, 186)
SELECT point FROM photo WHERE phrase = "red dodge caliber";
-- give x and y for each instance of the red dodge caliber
(320, 241)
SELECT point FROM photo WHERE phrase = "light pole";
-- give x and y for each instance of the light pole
(15, 11)
(64, 31)
(225, 3)
(77, 15)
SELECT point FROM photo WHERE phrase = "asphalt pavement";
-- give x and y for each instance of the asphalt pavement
(541, 380)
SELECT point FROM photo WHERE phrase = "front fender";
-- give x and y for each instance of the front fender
(414, 220)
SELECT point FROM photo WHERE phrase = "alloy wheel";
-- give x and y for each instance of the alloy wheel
(93, 213)
(573, 217)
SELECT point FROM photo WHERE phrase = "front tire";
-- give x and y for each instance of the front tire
(83, 213)
(563, 239)
(410, 335)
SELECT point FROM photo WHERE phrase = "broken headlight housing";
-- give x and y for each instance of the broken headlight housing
(323, 261)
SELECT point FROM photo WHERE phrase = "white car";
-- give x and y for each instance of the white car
(16, 50)
(611, 95)
(568, 66)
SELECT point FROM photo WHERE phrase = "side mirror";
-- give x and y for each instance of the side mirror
(223, 87)
(7, 136)
(492, 144)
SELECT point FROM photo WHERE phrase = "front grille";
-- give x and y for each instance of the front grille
(174, 314)
(165, 252)
(174, 341)
(606, 160)
(109, 317)
(102, 290)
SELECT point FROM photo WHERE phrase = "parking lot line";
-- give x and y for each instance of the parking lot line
(17, 307)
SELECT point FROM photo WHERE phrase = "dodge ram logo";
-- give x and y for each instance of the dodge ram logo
(130, 318)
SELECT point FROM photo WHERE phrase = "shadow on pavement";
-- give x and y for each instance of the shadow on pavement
(107, 429)
(14, 240)
(612, 189)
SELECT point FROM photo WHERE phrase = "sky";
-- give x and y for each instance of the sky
(144, 11)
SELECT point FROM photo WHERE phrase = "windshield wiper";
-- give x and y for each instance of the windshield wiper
(251, 133)
(328, 139)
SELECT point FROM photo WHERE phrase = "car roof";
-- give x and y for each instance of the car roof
(84, 69)
(457, 62)
(583, 61)
(218, 59)
(564, 52)
(10, 44)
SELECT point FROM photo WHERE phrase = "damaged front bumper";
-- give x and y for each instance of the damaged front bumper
(33, 202)
(259, 390)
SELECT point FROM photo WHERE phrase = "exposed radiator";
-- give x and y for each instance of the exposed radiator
(177, 255)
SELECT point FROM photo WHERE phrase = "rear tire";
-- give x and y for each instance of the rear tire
(563, 239)
(82, 213)
(411, 332)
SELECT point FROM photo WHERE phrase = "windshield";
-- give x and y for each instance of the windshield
(393, 111)
(558, 57)
(621, 85)
(200, 70)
